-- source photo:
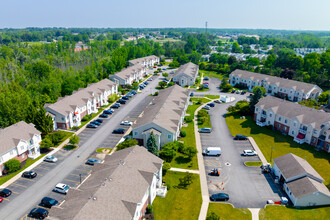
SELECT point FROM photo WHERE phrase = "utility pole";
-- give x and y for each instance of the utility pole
(205, 27)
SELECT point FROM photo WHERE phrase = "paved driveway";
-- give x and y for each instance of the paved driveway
(71, 164)
(247, 187)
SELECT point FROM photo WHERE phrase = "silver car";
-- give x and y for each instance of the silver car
(205, 130)
(51, 159)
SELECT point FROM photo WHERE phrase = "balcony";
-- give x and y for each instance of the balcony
(300, 139)
(303, 131)
(261, 123)
(161, 191)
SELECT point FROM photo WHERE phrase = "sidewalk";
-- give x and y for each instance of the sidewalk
(256, 148)
(255, 213)
(184, 170)
(202, 176)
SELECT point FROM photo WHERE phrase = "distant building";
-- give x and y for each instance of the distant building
(68, 111)
(300, 181)
(129, 75)
(120, 188)
(148, 61)
(80, 46)
(304, 124)
(163, 116)
(186, 74)
(284, 88)
(19, 141)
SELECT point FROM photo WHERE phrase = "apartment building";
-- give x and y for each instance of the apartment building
(186, 74)
(120, 188)
(19, 141)
(68, 111)
(163, 116)
(283, 88)
(148, 61)
(300, 181)
(304, 124)
(129, 75)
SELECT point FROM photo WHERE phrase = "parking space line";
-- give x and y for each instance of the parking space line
(42, 207)
(15, 192)
(26, 179)
(72, 181)
(40, 174)
(83, 170)
(24, 217)
(42, 167)
(77, 175)
(6, 199)
(19, 185)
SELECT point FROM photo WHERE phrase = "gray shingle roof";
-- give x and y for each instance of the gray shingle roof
(129, 71)
(280, 82)
(189, 69)
(291, 165)
(289, 109)
(10, 136)
(143, 59)
(67, 104)
(165, 109)
(113, 189)
(306, 186)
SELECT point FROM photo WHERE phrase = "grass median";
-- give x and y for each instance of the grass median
(228, 212)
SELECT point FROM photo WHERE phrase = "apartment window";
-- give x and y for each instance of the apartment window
(286, 121)
(169, 136)
(12, 152)
(256, 109)
(279, 119)
(278, 125)
(294, 124)
(292, 132)
(284, 128)
(270, 114)
(136, 133)
(63, 118)
(22, 147)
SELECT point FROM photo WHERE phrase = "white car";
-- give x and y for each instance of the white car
(249, 153)
(51, 159)
(61, 188)
(129, 123)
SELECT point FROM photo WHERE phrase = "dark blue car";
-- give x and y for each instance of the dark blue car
(125, 97)
(104, 116)
(96, 123)
(211, 104)
(108, 112)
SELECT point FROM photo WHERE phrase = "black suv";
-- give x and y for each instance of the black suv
(48, 202)
(39, 213)
(240, 137)
(5, 193)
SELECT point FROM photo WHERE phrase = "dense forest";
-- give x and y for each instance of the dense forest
(38, 66)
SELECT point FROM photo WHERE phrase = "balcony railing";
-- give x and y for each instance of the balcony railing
(303, 131)
(299, 141)
(261, 124)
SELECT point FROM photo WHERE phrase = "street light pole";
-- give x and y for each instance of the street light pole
(80, 177)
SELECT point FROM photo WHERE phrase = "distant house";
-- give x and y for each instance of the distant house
(148, 61)
(129, 75)
(68, 111)
(284, 88)
(163, 116)
(120, 188)
(300, 181)
(186, 74)
(19, 141)
(80, 46)
(304, 124)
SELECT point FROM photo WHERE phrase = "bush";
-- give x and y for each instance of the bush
(12, 165)
(57, 137)
(86, 118)
(190, 152)
(168, 151)
(188, 119)
(186, 180)
(183, 133)
(149, 209)
(212, 216)
(166, 167)
(155, 94)
(46, 143)
(74, 140)
(126, 144)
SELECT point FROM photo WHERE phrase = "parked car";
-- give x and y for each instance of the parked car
(219, 197)
(129, 95)
(206, 83)
(91, 125)
(93, 161)
(104, 116)
(134, 92)
(61, 188)
(1, 199)
(29, 174)
(238, 92)
(211, 104)
(38, 213)
(150, 79)
(215, 172)
(249, 153)
(96, 123)
(191, 94)
(217, 101)
(243, 92)
(212, 151)
(233, 91)
(5, 193)
(116, 105)
(121, 101)
(125, 97)
(51, 159)
(48, 202)
(155, 66)
(164, 69)
(206, 107)
(240, 137)
(145, 82)
(119, 131)
(205, 130)
(206, 78)
(99, 120)
(129, 123)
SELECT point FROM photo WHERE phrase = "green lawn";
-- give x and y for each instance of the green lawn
(201, 100)
(212, 74)
(227, 211)
(202, 90)
(274, 212)
(266, 139)
(179, 203)
(206, 123)
(212, 96)
(100, 150)
(253, 163)
(28, 163)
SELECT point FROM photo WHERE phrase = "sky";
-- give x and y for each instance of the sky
(249, 14)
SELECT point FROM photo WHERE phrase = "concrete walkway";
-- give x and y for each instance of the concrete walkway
(184, 170)
(256, 148)
(202, 176)
(255, 213)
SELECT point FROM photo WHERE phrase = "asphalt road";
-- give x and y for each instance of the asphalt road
(25, 201)
(246, 186)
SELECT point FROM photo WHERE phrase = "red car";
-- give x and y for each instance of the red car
(1, 199)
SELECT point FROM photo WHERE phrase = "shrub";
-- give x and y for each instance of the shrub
(12, 165)
(86, 118)
(166, 167)
(186, 180)
(126, 144)
(155, 94)
(149, 209)
(212, 216)
(188, 119)
(57, 137)
(190, 152)
(183, 133)
(74, 140)
(168, 152)
(46, 143)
